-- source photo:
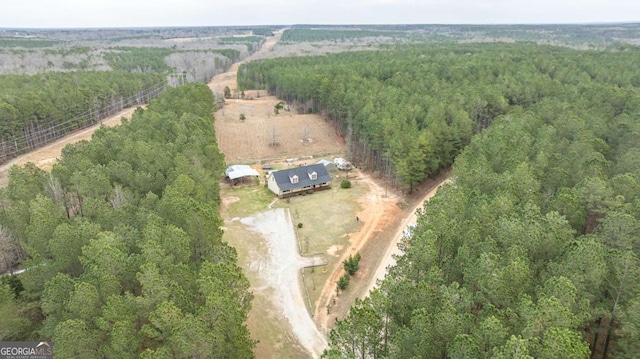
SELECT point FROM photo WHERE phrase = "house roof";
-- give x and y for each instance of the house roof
(283, 177)
(237, 171)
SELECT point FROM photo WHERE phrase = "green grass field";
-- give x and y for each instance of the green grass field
(327, 217)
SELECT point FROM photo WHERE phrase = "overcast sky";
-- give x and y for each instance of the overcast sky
(143, 13)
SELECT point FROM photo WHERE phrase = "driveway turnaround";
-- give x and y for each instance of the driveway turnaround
(281, 271)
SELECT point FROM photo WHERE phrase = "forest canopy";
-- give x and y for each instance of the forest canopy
(533, 250)
(408, 111)
(122, 242)
(35, 109)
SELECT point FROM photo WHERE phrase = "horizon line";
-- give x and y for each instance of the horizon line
(589, 23)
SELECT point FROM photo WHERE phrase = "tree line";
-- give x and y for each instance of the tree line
(152, 59)
(408, 111)
(582, 35)
(297, 35)
(122, 243)
(34, 109)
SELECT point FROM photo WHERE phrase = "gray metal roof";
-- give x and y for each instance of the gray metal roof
(283, 177)
(237, 171)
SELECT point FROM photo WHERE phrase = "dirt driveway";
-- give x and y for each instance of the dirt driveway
(377, 241)
(389, 258)
(280, 270)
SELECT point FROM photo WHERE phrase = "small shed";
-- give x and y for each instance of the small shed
(238, 173)
(330, 166)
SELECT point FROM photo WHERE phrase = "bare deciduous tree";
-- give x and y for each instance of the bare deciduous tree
(118, 199)
(10, 251)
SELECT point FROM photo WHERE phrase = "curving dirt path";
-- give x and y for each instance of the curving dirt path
(379, 209)
(280, 269)
(393, 251)
(377, 204)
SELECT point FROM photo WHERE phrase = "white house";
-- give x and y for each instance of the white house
(296, 180)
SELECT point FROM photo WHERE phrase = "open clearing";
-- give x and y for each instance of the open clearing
(263, 135)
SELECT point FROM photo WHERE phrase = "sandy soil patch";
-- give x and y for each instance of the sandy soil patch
(226, 201)
(334, 249)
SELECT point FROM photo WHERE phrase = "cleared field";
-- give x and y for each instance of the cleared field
(264, 135)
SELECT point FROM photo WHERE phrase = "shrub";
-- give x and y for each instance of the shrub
(299, 225)
(345, 184)
(352, 264)
(343, 282)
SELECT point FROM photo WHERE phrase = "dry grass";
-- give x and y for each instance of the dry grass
(253, 139)
(327, 218)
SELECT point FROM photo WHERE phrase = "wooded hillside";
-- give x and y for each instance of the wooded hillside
(122, 243)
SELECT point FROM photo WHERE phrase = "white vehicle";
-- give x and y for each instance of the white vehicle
(408, 232)
(342, 164)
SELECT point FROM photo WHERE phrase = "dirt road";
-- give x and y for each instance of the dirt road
(228, 78)
(376, 206)
(379, 210)
(46, 156)
(389, 257)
